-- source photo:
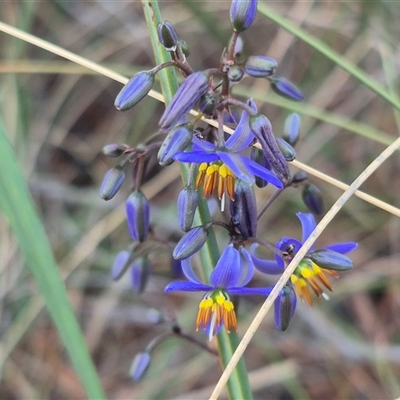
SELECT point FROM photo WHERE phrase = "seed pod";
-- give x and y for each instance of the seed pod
(244, 209)
(139, 365)
(313, 199)
(112, 182)
(291, 130)
(243, 13)
(330, 259)
(167, 35)
(285, 88)
(192, 88)
(287, 150)
(260, 66)
(134, 91)
(262, 129)
(190, 243)
(188, 200)
(178, 139)
(138, 215)
(140, 273)
(284, 307)
(207, 103)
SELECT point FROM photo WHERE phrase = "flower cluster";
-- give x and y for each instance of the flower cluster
(229, 167)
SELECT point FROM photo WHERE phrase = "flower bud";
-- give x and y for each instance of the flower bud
(188, 200)
(330, 259)
(258, 156)
(243, 13)
(154, 316)
(244, 209)
(192, 88)
(138, 215)
(114, 150)
(184, 47)
(235, 73)
(262, 129)
(112, 182)
(177, 140)
(299, 177)
(287, 150)
(291, 129)
(285, 88)
(260, 66)
(140, 273)
(134, 91)
(207, 103)
(139, 365)
(121, 264)
(284, 307)
(312, 198)
(190, 243)
(167, 35)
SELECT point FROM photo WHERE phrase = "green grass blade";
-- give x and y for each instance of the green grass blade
(238, 384)
(329, 53)
(17, 205)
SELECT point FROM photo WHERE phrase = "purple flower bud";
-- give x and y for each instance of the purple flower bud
(154, 316)
(287, 150)
(258, 156)
(139, 365)
(121, 264)
(134, 91)
(138, 215)
(190, 243)
(330, 259)
(177, 140)
(260, 66)
(243, 13)
(167, 35)
(140, 273)
(235, 73)
(187, 204)
(192, 88)
(284, 307)
(244, 209)
(285, 88)
(313, 199)
(114, 150)
(112, 182)
(291, 130)
(262, 129)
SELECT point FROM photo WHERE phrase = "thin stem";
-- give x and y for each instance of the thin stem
(272, 198)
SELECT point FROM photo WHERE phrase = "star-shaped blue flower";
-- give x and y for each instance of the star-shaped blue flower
(233, 271)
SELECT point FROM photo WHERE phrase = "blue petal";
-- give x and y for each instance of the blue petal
(264, 173)
(242, 136)
(271, 267)
(227, 271)
(245, 291)
(308, 224)
(237, 166)
(188, 271)
(195, 157)
(204, 145)
(183, 286)
(342, 248)
(246, 267)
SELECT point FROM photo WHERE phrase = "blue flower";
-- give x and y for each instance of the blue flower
(219, 165)
(312, 270)
(233, 271)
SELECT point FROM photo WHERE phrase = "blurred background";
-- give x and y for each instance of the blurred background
(59, 116)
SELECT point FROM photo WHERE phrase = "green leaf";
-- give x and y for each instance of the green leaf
(18, 207)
